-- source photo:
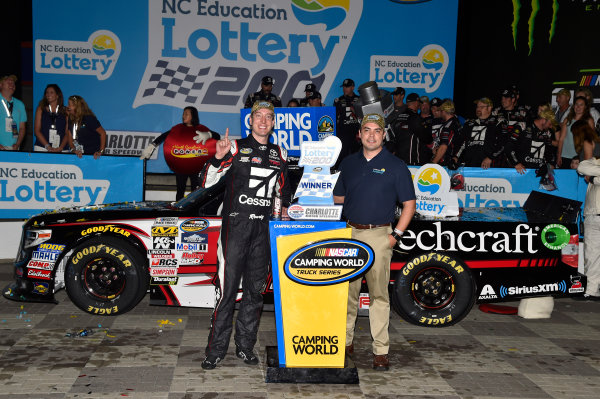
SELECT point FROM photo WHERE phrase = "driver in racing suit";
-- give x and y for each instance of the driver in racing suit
(256, 170)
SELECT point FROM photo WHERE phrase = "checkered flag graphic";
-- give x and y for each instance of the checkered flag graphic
(174, 81)
(304, 187)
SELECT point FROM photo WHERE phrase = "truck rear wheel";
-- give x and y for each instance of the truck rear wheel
(433, 290)
(106, 276)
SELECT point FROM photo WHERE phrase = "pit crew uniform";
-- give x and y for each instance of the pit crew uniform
(262, 96)
(591, 223)
(347, 124)
(509, 120)
(531, 147)
(254, 173)
(480, 141)
(449, 136)
(410, 135)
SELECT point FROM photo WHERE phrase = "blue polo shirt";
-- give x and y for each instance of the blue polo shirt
(372, 188)
(18, 114)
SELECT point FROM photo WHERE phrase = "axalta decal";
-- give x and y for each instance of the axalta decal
(97, 56)
(425, 70)
(521, 240)
(215, 52)
(328, 262)
(33, 185)
(534, 289)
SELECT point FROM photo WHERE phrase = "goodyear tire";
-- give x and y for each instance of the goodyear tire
(433, 290)
(106, 276)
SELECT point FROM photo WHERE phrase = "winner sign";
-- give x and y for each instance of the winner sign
(315, 190)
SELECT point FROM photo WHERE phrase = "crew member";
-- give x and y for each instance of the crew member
(372, 181)
(309, 89)
(265, 94)
(346, 123)
(256, 170)
(410, 133)
(448, 134)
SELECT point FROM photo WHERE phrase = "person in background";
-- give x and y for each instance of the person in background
(346, 121)
(566, 149)
(293, 103)
(563, 98)
(50, 123)
(315, 100)
(309, 89)
(584, 140)
(448, 134)
(590, 168)
(190, 126)
(587, 93)
(84, 133)
(264, 94)
(12, 115)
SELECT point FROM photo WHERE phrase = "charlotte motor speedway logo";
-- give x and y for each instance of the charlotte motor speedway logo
(96, 57)
(216, 52)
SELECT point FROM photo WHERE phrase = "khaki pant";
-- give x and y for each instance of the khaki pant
(378, 278)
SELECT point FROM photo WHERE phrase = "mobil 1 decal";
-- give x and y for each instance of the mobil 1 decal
(328, 262)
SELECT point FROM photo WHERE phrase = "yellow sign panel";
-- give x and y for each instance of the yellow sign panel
(314, 320)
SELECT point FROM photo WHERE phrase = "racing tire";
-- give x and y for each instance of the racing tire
(106, 276)
(433, 290)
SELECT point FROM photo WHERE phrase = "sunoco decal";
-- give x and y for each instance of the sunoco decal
(555, 236)
(328, 262)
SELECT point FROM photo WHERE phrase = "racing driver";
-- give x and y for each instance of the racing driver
(256, 170)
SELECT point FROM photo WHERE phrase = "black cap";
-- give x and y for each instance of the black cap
(347, 83)
(436, 102)
(508, 92)
(412, 97)
(267, 80)
(310, 87)
(399, 90)
(314, 95)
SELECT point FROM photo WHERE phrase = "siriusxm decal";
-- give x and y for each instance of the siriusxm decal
(328, 262)
(96, 57)
(215, 52)
(536, 289)
(424, 71)
(43, 186)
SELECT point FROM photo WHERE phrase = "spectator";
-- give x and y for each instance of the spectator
(410, 134)
(480, 136)
(13, 115)
(293, 103)
(448, 134)
(591, 250)
(51, 121)
(531, 148)
(315, 100)
(308, 91)
(265, 94)
(84, 132)
(587, 93)
(584, 140)
(566, 147)
(347, 125)
(563, 97)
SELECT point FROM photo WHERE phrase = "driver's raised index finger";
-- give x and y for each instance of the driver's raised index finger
(227, 134)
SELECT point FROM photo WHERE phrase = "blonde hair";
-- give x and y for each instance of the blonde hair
(81, 108)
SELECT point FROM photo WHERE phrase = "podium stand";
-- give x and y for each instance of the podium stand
(312, 263)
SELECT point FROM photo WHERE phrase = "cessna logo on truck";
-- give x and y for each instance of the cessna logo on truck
(439, 239)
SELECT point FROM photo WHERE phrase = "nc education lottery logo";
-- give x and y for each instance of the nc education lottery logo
(215, 52)
(96, 57)
(432, 189)
(424, 71)
(48, 186)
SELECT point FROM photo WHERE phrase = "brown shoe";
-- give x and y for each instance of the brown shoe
(350, 349)
(381, 362)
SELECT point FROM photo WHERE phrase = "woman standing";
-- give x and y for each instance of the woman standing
(84, 132)
(50, 121)
(566, 147)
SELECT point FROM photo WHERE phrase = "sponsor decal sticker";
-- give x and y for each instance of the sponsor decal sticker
(487, 292)
(164, 231)
(41, 288)
(163, 242)
(163, 271)
(192, 237)
(163, 280)
(540, 288)
(191, 258)
(36, 264)
(193, 247)
(105, 229)
(163, 262)
(555, 236)
(160, 254)
(40, 274)
(328, 262)
(166, 221)
(194, 225)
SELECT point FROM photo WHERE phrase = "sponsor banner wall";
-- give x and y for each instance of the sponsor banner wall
(139, 63)
(500, 187)
(34, 182)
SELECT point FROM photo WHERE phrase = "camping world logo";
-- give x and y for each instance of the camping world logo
(429, 181)
(329, 12)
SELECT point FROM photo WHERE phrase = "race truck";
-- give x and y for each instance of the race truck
(107, 257)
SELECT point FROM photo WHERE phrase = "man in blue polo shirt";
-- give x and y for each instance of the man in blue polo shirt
(372, 181)
(12, 115)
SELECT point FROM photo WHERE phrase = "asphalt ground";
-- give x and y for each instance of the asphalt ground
(155, 352)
